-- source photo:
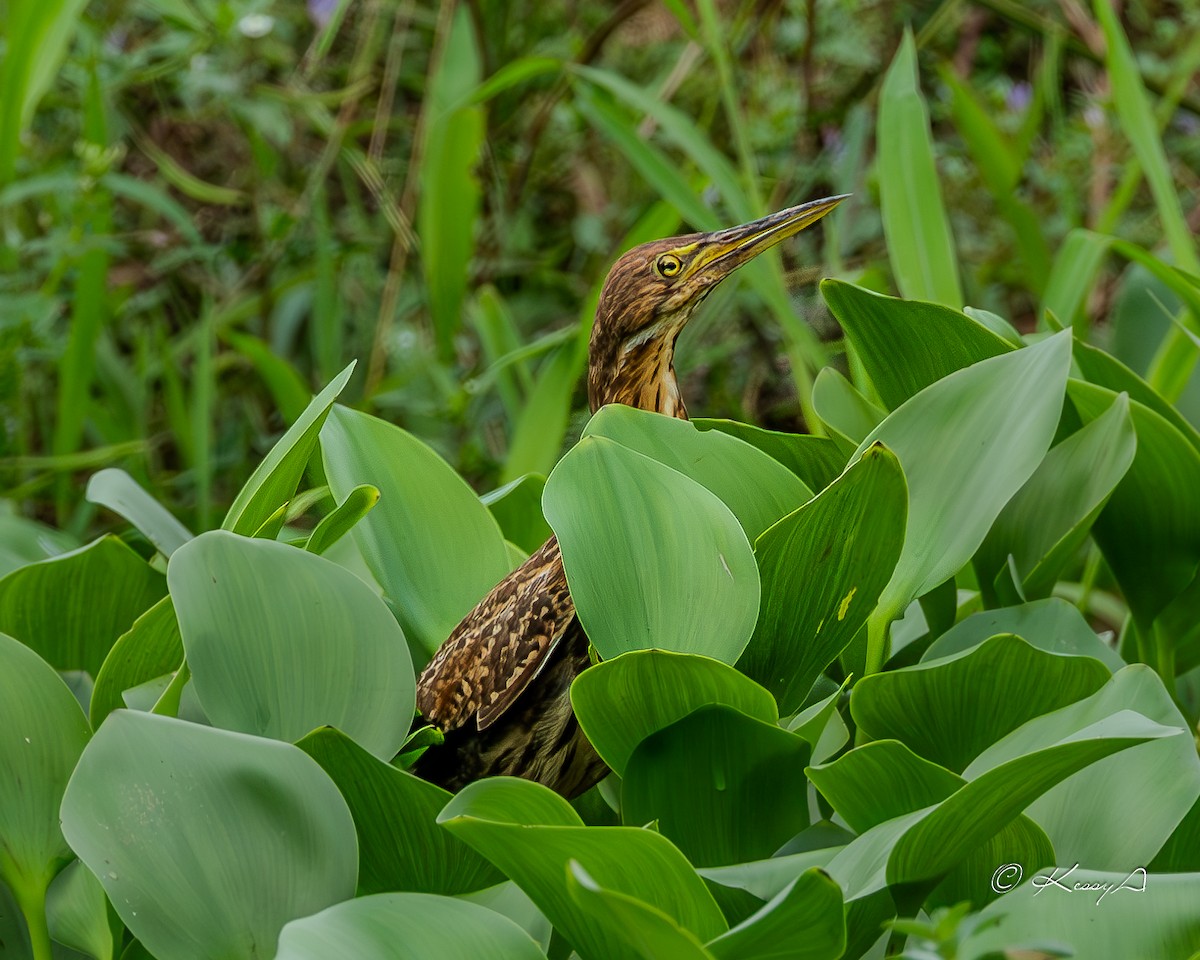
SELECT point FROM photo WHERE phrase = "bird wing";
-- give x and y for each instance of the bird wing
(500, 646)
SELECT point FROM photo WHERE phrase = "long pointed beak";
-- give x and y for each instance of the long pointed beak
(726, 250)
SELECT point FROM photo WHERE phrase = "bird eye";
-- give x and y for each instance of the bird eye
(668, 265)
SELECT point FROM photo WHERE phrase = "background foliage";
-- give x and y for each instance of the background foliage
(934, 637)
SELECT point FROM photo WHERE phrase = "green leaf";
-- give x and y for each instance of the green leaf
(641, 930)
(42, 734)
(842, 409)
(1118, 812)
(757, 488)
(276, 478)
(77, 911)
(1153, 512)
(1141, 128)
(1052, 625)
(118, 491)
(406, 926)
(621, 702)
(694, 591)
(880, 781)
(993, 445)
(449, 198)
(341, 520)
(433, 547)
(805, 921)
(281, 641)
(1073, 275)
(928, 843)
(1162, 921)
(823, 568)
(207, 842)
(35, 37)
(532, 835)
(71, 609)
(766, 879)
(920, 245)
(517, 507)
(722, 786)
(950, 710)
(150, 648)
(905, 345)
(1047, 521)
(395, 813)
(1105, 370)
(25, 541)
(815, 460)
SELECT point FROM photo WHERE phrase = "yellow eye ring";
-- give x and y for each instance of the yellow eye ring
(668, 265)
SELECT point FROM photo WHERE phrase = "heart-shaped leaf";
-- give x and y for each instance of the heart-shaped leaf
(207, 842)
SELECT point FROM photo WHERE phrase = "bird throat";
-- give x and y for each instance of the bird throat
(645, 379)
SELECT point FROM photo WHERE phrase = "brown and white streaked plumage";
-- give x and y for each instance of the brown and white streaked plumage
(499, 686)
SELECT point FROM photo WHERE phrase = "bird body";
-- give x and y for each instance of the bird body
(499, 686)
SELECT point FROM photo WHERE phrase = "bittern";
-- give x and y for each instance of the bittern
(499, 686)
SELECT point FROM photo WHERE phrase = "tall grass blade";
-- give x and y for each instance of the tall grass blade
(450, 192)
(920, 245)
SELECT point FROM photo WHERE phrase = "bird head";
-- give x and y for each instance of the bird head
(650, 294)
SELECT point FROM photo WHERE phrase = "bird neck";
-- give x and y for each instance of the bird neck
(642, 376)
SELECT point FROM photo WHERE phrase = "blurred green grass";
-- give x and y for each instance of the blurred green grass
(208, 207)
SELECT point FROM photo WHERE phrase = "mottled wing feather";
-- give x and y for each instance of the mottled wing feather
(500, 646)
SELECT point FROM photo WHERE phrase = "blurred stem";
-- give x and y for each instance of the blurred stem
(1164, 650)
(1091, 570)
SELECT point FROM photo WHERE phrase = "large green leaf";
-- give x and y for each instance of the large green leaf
(757, 488)
(1153, 916)
(1049, 518)
(622, 701)
(1153, 512)
(532, 835)
(406, 926)
(1117, 813)
(815, 460)
(950, 710)
(430, 543)
(928, 843)
(71, 609)
(276, 478)
(281, 641)
(1052, 625)
(905, 345)
(723, 787)
(401, 847)
(653, 558)
(150, 648)
(207, 842)
(920, 245)
(961, 474)
(42, 734)
(822, 569)
(883, 780)
(118, 491)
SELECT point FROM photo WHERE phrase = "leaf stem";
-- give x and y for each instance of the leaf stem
(31, 899)
(877, 641)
